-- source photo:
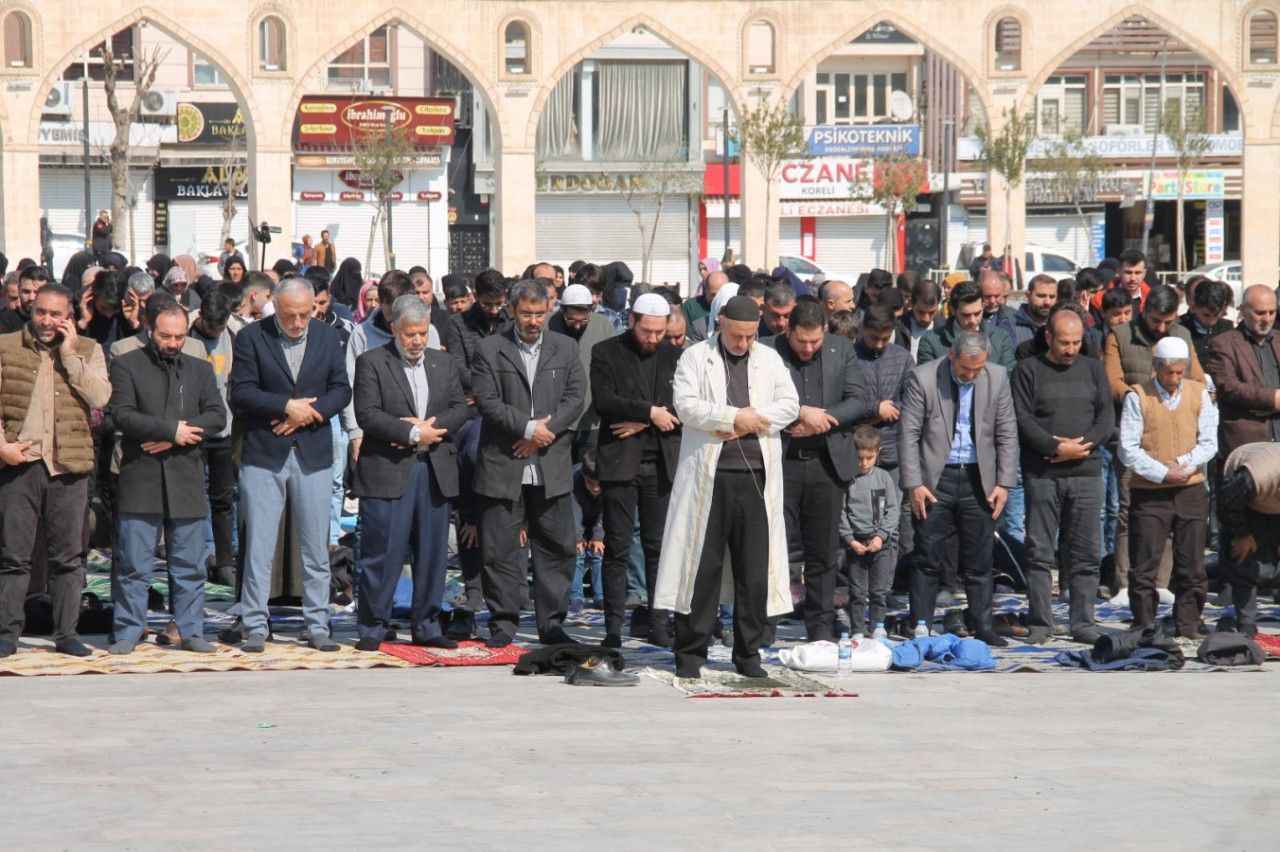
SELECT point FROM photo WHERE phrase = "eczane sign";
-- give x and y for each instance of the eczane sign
(824, 178)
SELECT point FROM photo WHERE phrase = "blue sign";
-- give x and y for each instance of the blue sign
(865, 140)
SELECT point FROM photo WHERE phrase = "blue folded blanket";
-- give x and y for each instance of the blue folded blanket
(946, 651)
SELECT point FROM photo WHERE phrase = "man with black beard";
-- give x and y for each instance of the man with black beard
(30, 280)
(578, 321)
(639, 444)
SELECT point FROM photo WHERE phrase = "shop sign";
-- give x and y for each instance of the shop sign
(355, 180)
(1215, 231)
(334, 161)
(311, 196)
(199, 182)
(824, 209)
(210, 124)
(429, 195)
(823, 178)
(865, 140)
(1117, 147)
(673, 183)
(340, 122)
(351, 196)
(103, 133)
(1198, 183)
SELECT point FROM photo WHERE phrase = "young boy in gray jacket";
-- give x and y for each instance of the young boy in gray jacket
(869, 530)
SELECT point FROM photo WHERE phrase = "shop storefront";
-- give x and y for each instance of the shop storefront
(331, 194)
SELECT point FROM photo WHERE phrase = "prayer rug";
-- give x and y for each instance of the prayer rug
(1269, 643)
(469, 653)
(717, 683)
(152, 659)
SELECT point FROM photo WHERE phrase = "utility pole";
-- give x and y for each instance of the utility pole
(391, 251)
(88, 200)
(948, 145)
(724, 174)
(1149, 209)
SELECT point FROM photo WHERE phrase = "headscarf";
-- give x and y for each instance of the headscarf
(726, 292)
(782, 273)
(175, 275)
(158, 265)
(188, 265)
(347, 283)
(360, 313)
(74, 270)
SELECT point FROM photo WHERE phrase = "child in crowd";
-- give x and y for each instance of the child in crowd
(588, 517)
(1117, 307)
(869, 529)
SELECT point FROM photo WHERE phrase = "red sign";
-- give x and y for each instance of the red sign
(311, 196)
(355, 180)
(396, 196)
(429, 195)
(325, 123)
(351, 196)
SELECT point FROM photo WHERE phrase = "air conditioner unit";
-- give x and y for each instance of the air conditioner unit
(160, 102)
(1124, 130)
(58, 101)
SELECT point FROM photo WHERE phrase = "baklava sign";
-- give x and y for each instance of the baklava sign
(329, 124)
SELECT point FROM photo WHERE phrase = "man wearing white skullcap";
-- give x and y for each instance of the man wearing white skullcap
(632, 377)
(1168, 431)
(578, 320)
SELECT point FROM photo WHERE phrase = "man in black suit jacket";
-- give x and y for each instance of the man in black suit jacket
(529, 390)
(164, 402)
(639, 445)
(288, 378)
(409, 403)
(819, 458)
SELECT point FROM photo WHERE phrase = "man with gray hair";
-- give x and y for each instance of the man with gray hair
(287, 380)
(958, 455)
(779, 302)
(1168, 431)
(409, 402)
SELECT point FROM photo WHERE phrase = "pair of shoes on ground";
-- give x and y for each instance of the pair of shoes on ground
(194, 644)
(71, 646)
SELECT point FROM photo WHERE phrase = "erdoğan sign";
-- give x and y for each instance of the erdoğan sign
(336, 124)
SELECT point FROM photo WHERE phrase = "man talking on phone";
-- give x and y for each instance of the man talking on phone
(50, 379)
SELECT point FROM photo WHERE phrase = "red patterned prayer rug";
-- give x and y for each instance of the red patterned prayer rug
(1269, 643)
(471, 652)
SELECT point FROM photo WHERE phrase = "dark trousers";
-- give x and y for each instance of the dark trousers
(27, 494)
(648, 494)
(549, 524)
(1155, 513)
(906, 529)
(222, 499)
(414, 524)
(812, 498)
(736, 521)
(1244, 576)
(471, 559)
(870, 578)
(1061, 515)
(962, 510)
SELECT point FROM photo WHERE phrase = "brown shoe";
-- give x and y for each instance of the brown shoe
(170, 635)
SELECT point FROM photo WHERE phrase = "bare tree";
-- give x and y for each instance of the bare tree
(124, 117)
(770, 135)
(1071, 170)
(1189, 143)
(1005, 153)
(383, 159)
(665, 176)
(895, 185)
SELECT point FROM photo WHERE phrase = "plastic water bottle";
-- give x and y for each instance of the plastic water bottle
(880, 632)
(922, 629)
(844, 664)
(726, 627)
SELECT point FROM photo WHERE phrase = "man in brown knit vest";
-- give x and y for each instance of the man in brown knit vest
(1168, 431)
(50, 378)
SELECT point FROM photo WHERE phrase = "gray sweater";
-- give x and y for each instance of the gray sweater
(871, 507)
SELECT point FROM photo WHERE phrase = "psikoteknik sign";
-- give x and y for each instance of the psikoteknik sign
(324, 123)
(865, 140)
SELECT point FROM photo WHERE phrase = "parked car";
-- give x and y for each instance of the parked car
(801, 267)
(1036, 259)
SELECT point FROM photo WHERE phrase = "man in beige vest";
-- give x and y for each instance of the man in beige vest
(1168, 430)
(50, 378)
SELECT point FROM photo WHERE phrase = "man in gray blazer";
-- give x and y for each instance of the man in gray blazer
(529, 389)
(959, 457)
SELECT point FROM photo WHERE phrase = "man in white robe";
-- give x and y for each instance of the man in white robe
(734, 398)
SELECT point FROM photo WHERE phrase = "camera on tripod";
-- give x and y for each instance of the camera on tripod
(264, 231)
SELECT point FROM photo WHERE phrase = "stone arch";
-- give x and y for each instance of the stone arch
(1229, 70)
(729, 81)
(236, 80)
(916, 30)
(395, 15)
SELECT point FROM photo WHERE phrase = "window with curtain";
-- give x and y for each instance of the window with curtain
(1061, 105)
(1262, 38)
(1008, 45)
(1131, 100)
(17, 40)
(641, 111)
(558, 127)
(365, 65)
(271, 44)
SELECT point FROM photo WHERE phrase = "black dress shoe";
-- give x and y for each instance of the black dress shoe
(72, 646)
(368, 643)
(953, 623)
(599, 674)
(751, 669)
(390, 635)
(462, 624)
(435, 642)
(557, 636)
(498, 640)
(612, 640)
(689, 672)
(995, 640)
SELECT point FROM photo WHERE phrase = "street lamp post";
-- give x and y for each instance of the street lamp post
(391, 252)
